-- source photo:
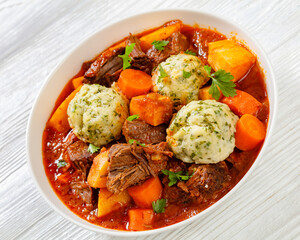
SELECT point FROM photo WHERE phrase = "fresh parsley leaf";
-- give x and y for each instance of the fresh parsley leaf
(190, 52)
(92, 148)
(125, 57)
(221, 82)
(176, 176)
(131, 141)
(133, 117)
(162, 72)
(186, 74)
(159, 205)
(159, 45)
(61, 163)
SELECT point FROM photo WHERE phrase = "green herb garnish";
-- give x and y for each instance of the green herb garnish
(176, 176)
(186, 74)
(131, 141)
(159, 45)
(61, 163)
(125, 57)
(190, 52)
(92, 148)
(133, 117)
(162, 72)
(159, 205)
(221, 82)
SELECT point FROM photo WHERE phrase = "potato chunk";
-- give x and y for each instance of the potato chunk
(231, 57)
(97, 177)
(205, 95)
(153, 108)
(109, 202)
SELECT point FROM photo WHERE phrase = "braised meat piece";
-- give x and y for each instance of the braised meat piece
(207, 180)
(177, 43)
(175, 194)
(80, 157)
(157, 156)
(144, 132)
(83, 191)
(132, 164)
(139, 60)
(106, 68)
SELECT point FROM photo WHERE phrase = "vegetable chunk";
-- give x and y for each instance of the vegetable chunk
(97, 177)
(160, 34)
(77, 82)
(205, 95)
(144, 194)
(153, 108)
(242, 103)
(140, 219)
(109, 202)
(231, 57)
(249, 132)
(59, 119)
(134, 82)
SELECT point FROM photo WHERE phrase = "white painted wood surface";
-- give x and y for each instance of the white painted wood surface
(35, 35)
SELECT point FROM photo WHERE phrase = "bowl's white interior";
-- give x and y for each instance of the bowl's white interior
(86, 51)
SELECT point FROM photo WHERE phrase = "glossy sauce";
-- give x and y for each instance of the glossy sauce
(54, 145)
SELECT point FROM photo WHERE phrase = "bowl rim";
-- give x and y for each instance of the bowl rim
(120, 233)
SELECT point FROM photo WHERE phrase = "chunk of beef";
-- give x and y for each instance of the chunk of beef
(131, 164)
(207, 180)
(200, 40)
(175, 194)
(80, 157)
(83, 191)
(139, 60)
(177, 43)
(144, 132)
(158, 156)
(69, 139)
(106, 68)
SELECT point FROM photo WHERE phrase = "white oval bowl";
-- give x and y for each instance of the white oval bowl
(87, 50)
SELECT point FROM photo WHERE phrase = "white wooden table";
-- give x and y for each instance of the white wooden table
(35, 35)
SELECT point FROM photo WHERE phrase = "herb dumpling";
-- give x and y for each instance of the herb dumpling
(180, 77)
(97, 114)
(202, 132)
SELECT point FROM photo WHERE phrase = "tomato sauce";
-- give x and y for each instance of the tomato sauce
(54, 146)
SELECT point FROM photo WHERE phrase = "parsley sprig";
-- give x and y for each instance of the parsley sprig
(159, 45)
(131, 141)
(190, 52)
(176, 176)
(159, 205)
(125, 57)
(133, 117)
(162, 73)
(61, 163)
(221, 82)
(186, 74)
(92, 148)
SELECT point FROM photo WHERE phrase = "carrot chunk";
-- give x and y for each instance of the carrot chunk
(140, 219)
(143, 195)
(242, 103)
(59, 119)
(134, 82)
(249, 132)
(160, 34)
(77, 82)
(153, 108)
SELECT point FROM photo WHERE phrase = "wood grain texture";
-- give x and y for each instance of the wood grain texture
(35, 35)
